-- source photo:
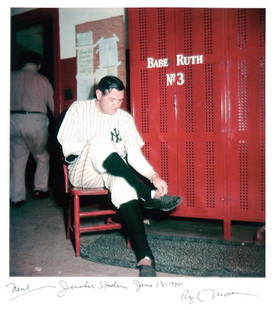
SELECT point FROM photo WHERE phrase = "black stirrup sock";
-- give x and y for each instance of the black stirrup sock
(132, 220)
(116, 166)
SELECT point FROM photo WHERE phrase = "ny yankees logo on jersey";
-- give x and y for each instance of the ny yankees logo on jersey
(115, 135)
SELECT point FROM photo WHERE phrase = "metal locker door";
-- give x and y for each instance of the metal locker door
(246, 133)
(152, 102)
(202, 180)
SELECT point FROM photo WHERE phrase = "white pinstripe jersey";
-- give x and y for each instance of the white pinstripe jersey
(83, 121)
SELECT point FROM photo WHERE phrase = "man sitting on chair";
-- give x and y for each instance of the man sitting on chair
(99, 141)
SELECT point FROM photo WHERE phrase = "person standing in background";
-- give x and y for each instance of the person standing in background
(31, 97)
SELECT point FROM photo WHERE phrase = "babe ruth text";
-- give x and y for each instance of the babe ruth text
(181, 60)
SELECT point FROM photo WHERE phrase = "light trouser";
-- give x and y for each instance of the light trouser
(88, 171)
(28, 134)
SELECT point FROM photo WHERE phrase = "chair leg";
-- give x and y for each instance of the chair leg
(77, 223)
(69, 218)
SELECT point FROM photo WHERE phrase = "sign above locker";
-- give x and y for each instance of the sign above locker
(181, 60)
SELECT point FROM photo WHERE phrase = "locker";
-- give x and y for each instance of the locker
(197, 95)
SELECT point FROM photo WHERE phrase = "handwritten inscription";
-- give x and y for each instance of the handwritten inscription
(19, 291)
(207, 295)
(159, 284)
(139, 285)
(63, 287)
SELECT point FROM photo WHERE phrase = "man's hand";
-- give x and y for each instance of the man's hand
(161, 185)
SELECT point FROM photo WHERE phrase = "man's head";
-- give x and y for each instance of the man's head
(110, 94)
(32, 58)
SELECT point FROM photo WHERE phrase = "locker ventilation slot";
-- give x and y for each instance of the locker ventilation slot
(242, 28)
(209, 98)
(208, 31)
(262, 127)
(161, 33)
(189, 111)
(243, 151)
(163, 101)
(262, 92)
(164, 161)
(144, 101)
(146, 150)
(190, 174)
(242, 96)
(143, 47)
(262, 29)
(262, 176)
(210, 175)
(188, 32)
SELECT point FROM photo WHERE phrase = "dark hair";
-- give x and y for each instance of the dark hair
(31, 57)
(110, 82)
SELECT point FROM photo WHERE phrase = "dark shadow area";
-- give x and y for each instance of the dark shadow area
(56, 179)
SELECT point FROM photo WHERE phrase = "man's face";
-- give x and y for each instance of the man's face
(111, 101)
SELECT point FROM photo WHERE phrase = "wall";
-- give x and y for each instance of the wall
(68, 19)
(65, 79)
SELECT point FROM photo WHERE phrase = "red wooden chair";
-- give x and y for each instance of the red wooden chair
(74, 194)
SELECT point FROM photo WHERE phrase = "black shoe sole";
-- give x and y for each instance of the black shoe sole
(40, 195)
(169, 208)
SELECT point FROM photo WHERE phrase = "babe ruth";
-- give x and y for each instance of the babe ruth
(99, 141)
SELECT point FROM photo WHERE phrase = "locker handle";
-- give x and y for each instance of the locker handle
(175, 105)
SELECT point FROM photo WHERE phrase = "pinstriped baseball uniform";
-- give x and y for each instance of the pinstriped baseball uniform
(93, 136)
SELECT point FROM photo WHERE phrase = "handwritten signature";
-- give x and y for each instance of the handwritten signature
(62, 288)
(20, 291)
(207, 295)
